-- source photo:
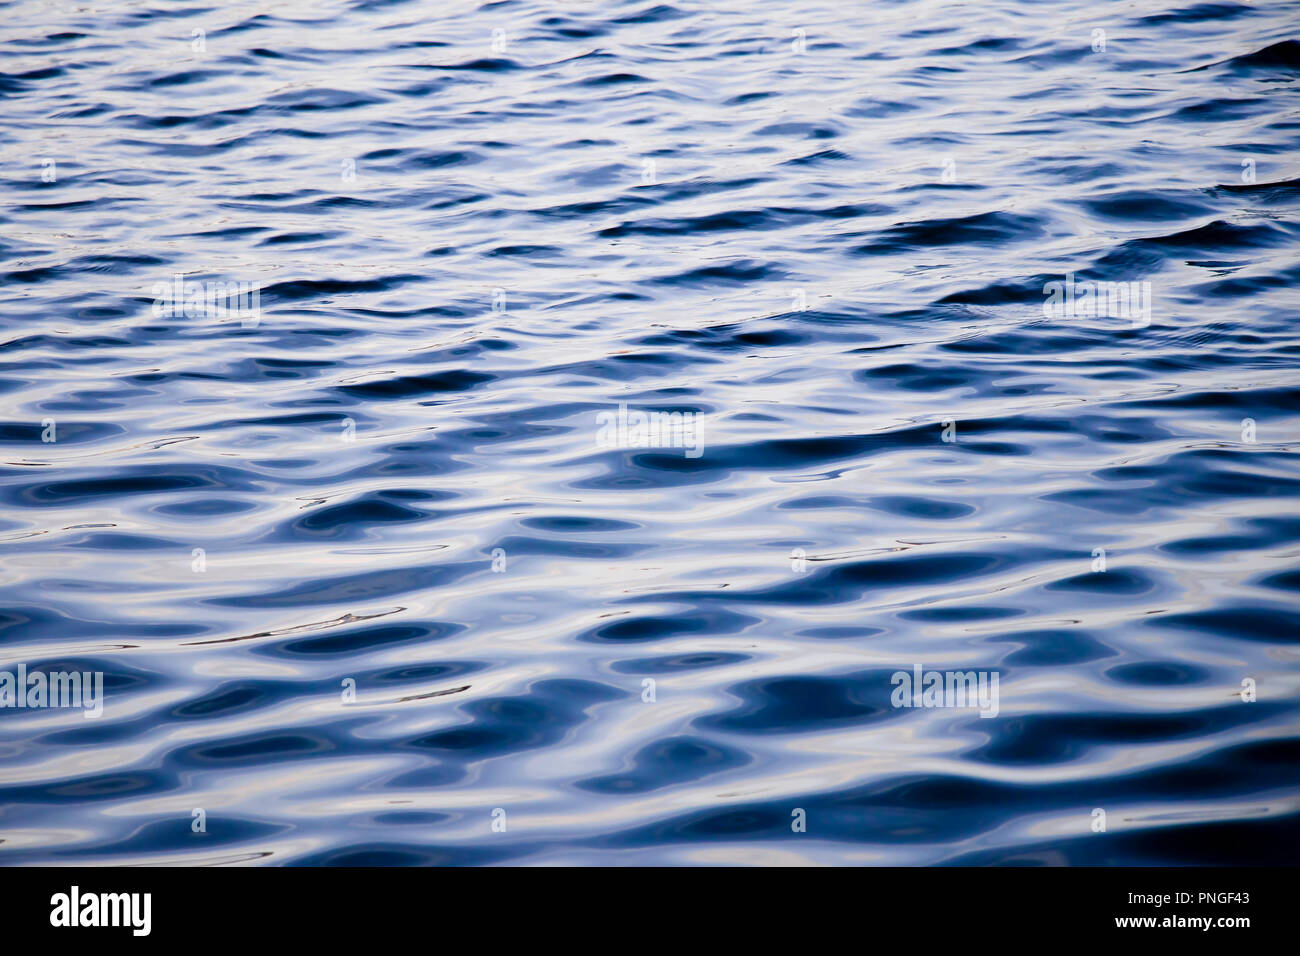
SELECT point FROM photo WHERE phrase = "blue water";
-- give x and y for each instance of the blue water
(825, 228)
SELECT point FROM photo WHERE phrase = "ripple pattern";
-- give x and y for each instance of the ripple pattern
(367, 587)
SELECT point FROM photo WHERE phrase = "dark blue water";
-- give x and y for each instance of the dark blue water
(823, 228)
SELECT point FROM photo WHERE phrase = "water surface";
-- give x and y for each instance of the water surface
(826, 229)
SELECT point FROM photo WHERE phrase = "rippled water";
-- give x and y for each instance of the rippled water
(826, 229)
